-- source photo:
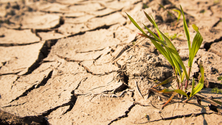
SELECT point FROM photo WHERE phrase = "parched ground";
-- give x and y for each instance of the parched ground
(81, 62)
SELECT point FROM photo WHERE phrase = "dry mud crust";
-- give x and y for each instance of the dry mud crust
(82, 62)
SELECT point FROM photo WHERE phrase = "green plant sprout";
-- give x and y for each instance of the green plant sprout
(217, 1)
(219, 79)
(145, 6)
(216, 90)
(168, 50)
(202, 11)
(174, 36)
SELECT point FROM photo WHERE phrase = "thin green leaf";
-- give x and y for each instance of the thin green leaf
(218, 102)
(202, 73)
(182, 76)
(167, 90)
(154, 23)
(186, 29)
(162, 6)
(134, 22)
(176, 64)
(162, 51)
(195, 28)
(149, 18)
(192, 90)
(200, 85)
(197, 88)
(154, 35)
(175, 54)
(179, 14)
(181, 92)
(166, 81)
(197, 41)
(219, 78)
(170, 13)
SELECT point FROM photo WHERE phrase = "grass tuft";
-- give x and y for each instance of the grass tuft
(168, 50)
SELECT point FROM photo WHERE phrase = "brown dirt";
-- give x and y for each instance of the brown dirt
(73, 62)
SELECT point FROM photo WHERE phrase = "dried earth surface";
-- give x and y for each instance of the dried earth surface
(81, 62)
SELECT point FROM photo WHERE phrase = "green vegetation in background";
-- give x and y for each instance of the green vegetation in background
(216, 90)
(174, 36)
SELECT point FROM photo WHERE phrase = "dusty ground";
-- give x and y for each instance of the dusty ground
(73, 62)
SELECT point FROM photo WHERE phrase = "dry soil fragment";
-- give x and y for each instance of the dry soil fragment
(86, 7)
(100, 111)
(216, 48)
(72, 28)
(212, 65)
(138, 115)
(6, 82)
(16, 37)
(51, 35)
(141, 62)
(115, 18)
(52, 7)
(76, 14)
(104, 12)
(85, 47)
(116, 5)
(123, 34)
(25, 83)
(38, 20)
(81, 19)
(14, 57)
(69, 2)
(54, 91)
(14, 86)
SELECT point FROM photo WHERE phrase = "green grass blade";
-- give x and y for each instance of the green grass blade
(134, 22)
(200, 85)
(181, 92)
(176, 64)
(197, 88)
(179, 14)
(192, 90)
(158, 46)
(169, 45)
(154, 35)
(162, 50)
(166, 81)
(167, 90)
(162, 6)
(202, 73)
(175, 54)
(219, 78)
(197, 41)
(154, 23)
(195, 28)
(182, 76)
(186, 29)
(149, 18)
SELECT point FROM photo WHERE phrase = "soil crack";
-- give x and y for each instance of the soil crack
(98, 74)
(123, 116)
(42, 55)
(17, 44)
(42, 83)
(176, 117)
(207, 45)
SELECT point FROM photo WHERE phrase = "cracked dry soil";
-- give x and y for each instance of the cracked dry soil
(72, 62)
